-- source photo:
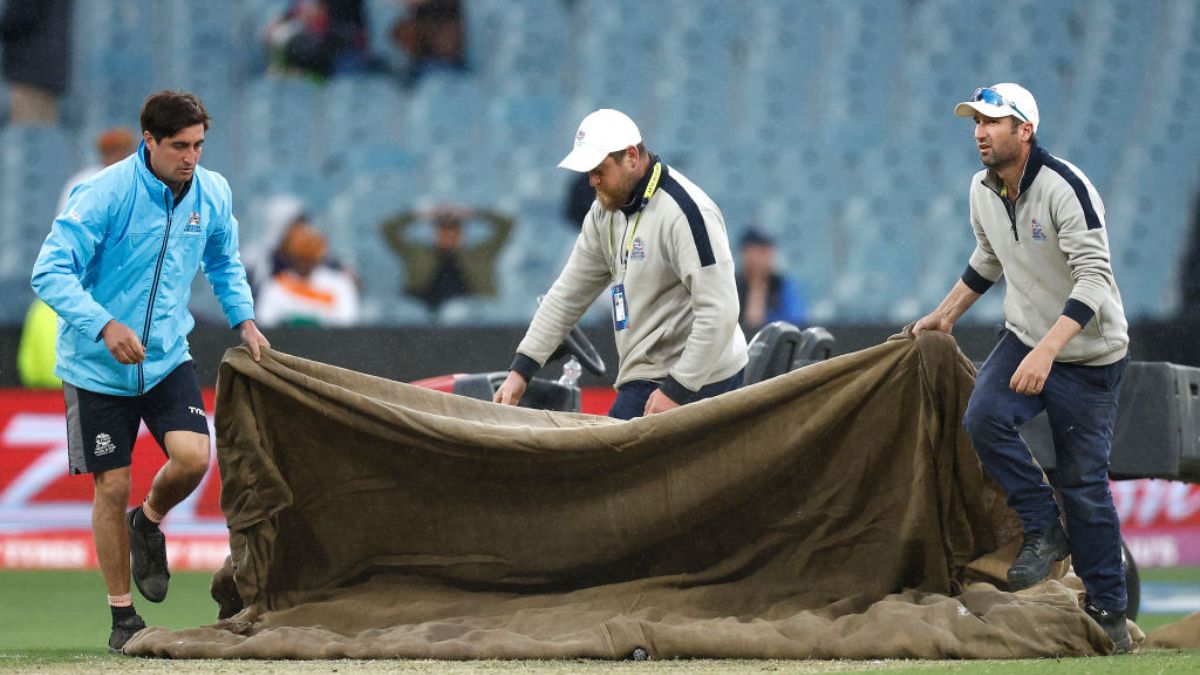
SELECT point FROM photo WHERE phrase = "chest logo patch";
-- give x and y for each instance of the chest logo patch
(639, 249)
(1038, 233)
(193, 224)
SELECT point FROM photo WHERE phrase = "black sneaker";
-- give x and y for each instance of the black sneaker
(1038, 552)
(1114, 626)
(125, 629)
(148, 552)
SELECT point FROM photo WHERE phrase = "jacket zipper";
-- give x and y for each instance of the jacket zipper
(1012, 216)
(162, 254)
(1009, 208)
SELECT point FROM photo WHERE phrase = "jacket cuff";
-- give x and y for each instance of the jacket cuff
(1078, 312)
(525, 366)
(237, 315)
(677, 392)
(976, 281)
(97, 328)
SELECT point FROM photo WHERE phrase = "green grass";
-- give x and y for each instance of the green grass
(51, 611)
(1149, 622)
(1185, 574)
(1148, 662)
(58, 622)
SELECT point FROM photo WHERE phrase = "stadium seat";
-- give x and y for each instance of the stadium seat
(525, 45)
(397, 309)
(445, 110)
(535, 254)
(473, 311)
(364, 123)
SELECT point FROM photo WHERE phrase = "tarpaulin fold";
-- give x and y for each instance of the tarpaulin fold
(837, 511)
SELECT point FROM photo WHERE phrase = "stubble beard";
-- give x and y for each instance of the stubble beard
(607, 201)
(611, 201)
(997, 160)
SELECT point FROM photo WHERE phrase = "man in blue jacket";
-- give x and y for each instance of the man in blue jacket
(117, 268)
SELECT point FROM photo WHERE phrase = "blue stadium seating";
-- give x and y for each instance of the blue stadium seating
(31, 176)
(826, 123)
(352, 223)
(363, 127)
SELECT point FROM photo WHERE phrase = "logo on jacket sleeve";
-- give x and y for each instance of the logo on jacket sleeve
(1038, 233)
(193, 224)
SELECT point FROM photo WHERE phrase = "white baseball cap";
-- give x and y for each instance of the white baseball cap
(600, 133)
(1001, 100)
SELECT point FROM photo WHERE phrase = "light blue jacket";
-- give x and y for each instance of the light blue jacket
(123, 250)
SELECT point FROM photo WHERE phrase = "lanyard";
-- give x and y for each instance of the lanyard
(622, 265)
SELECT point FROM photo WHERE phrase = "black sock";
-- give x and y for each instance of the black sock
(119, 613)
(142, 523)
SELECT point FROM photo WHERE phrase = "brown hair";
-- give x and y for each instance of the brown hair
(167, 112)
(618, 154)
(1016, 122)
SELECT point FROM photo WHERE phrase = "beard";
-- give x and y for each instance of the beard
(611, 201)
(998, 159)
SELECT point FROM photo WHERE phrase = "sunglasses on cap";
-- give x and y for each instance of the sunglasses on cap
(992, 97)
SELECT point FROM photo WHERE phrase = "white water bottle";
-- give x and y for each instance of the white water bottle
(571, 372)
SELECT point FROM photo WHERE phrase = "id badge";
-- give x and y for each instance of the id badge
(620, 318)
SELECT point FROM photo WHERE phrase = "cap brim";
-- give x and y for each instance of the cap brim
(583, 159)
(969, 108)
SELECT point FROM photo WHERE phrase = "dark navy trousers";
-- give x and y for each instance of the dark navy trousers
(1081, 403)
(632, 396)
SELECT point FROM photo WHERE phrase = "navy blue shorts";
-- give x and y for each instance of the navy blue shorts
(101, 428)
(632, 396)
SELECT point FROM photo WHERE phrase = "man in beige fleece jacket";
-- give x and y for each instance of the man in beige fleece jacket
(1039, 222)
(659, 245)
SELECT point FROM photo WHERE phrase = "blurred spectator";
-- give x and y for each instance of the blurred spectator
(266, 257)
(308, 292)
(319, 38)
(765, 294)
(432, 35)
(580, 196)
(112, 146)
(35, 355)
(1191, 268)
(36, 40)
(448, 268)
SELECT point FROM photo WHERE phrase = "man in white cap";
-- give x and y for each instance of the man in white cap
(1039, 222)
(659, 245)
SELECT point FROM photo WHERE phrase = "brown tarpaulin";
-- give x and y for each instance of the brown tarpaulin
(837, 511)
(1183, 634)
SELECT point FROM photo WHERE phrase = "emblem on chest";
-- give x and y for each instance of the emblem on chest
(1038, 233)
(638, 251)
(193, 224)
